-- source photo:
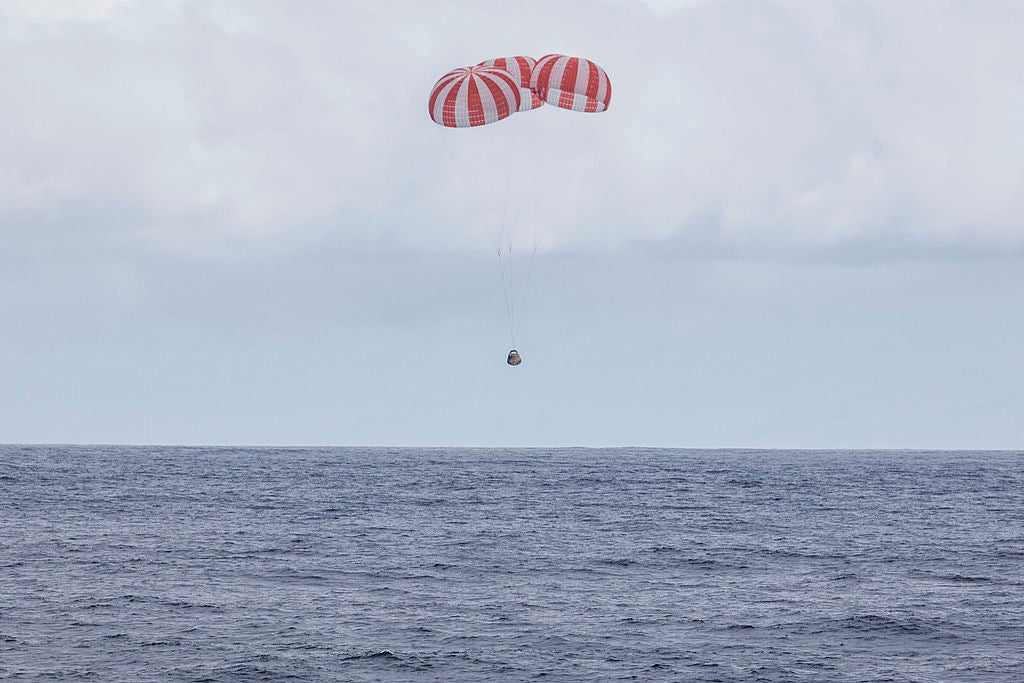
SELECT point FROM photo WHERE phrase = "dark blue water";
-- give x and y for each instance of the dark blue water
(214, 564)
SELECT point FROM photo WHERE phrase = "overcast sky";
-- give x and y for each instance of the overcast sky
(799, 224)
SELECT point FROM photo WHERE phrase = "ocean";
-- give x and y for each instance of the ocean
(124, 563)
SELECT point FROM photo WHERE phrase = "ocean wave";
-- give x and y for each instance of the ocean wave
(152, 562)
(878, 623)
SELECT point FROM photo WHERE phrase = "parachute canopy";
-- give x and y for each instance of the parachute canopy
(496, 88)
(571, 83)
(521, 68)
(473, 96)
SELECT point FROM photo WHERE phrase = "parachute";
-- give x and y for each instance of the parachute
(473, 96)
(490, 92)
(571, 83)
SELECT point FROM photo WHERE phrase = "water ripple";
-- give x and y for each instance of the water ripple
(320, 564)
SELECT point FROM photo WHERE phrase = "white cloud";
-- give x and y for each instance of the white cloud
(738, 125)
(60, 10)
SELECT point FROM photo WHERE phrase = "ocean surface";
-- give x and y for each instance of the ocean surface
(346, 564)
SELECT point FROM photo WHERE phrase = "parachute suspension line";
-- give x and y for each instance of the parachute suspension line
(508, 297)
(474, 200)
(496, 239)
(512, 290)
(533, 217)
(513, 156)
(526, 287)
(507, 232)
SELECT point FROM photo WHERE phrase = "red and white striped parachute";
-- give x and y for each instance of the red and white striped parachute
(473, 96)
(521, 68)
(571, 83)
(487, 93)
(496, 88)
